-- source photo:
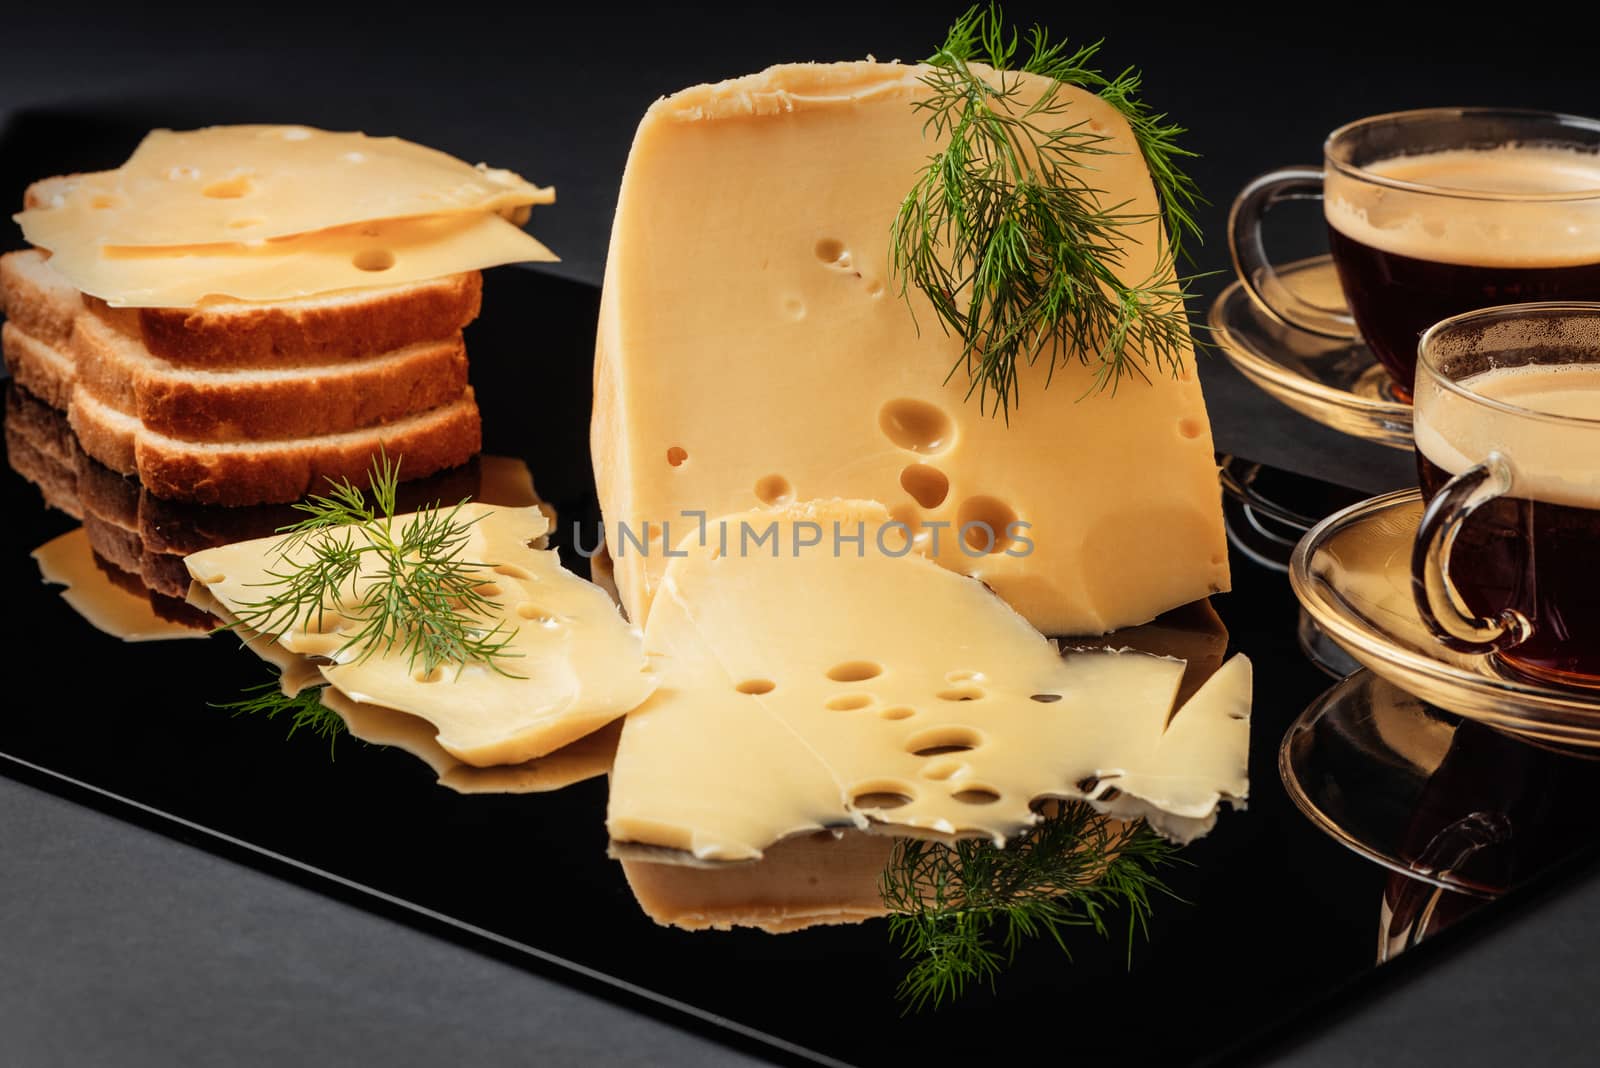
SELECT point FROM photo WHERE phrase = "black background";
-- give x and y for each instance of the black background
(555, 94)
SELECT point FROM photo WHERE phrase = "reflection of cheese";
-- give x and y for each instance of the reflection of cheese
(69, 561)
(586, 758)
(574, 665)
(800, 882)
(388, 253)
(753, 348)
(227, 184)
(815, 690)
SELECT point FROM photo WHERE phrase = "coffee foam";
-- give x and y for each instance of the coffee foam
(1552, 460)
(1479, 232)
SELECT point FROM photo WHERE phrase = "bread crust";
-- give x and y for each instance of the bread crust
(36, 300)
(301, 333)
(233, 407)
(45, 371)
(269, 474)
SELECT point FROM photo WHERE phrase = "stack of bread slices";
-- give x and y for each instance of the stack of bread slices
(234, 401)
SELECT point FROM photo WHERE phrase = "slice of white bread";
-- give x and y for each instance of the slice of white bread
(47, 371)
(271, 472)
(36, 298)
(257, 405)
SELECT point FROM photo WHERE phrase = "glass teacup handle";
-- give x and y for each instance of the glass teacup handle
(1256, 272)
(1438, 601)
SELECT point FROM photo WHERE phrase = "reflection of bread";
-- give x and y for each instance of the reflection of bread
(262, 422)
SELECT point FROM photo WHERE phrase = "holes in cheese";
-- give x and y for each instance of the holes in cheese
(677, 455)
(774, 489)
(572, 664)
(756, 686)
(373, 259)
(832, 252)
(985, 524)
(941, 740)
(227, 189)
(927, 484)
(704, 769)
(855, 671)
(916, 425)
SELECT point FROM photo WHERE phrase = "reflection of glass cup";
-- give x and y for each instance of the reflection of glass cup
(1433, 213)
(1507, 418)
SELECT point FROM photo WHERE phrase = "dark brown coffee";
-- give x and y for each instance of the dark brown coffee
(1395, 297)
(1537, 549)
(1422, 237)
(1540, 559)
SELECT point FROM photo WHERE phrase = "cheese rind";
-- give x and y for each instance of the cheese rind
(230, 184)
(753, 348)
(573, 664)
(813, 690)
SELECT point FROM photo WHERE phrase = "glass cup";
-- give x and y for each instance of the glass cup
(1507, 421)
(1432, 213)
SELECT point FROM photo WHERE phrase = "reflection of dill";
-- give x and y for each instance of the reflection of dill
(1076, 868)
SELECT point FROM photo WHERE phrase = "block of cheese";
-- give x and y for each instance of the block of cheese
(391, 252)
(573, 665)
(226, 184)
(844, 685)
(753, 349)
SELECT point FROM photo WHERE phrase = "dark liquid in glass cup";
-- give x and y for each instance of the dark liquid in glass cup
(1536, 547)
(1394, 297)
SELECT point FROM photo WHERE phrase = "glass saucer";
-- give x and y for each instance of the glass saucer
(1441, 800)
(1337, 383)
(1352, 574)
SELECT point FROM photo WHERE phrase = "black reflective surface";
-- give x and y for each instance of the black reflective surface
(1274, 917)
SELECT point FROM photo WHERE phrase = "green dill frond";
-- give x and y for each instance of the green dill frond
(960, 912)
(1006, 237)
(400, 586)
(304, 710)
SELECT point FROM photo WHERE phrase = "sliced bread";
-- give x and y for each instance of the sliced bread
(47, 371)
(296, 333)
(37, 298)
(269, 472)
(257, 405)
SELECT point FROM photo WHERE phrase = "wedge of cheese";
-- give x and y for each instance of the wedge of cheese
(847, 685)
(573, 664)
(753, 348)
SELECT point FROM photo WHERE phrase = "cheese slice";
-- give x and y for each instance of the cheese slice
(753, 348)
(389, 252)
(574, 663)
(844, 685)
(226, 184)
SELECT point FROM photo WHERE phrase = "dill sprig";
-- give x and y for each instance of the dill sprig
(304, 710)
(404, 583)
(1005, 234)
(1075, 868)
